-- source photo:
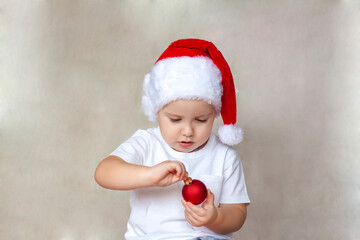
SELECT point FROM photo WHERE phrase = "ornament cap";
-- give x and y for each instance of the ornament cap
(188, 181)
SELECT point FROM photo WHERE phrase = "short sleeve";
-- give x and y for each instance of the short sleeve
(135, 148)
(234, 187)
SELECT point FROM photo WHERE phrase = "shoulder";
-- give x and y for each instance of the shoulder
(148, 137)
(136, 148)
(145, 133)
(140, 139)
(229, 151)
(230, 155)
(223, 155)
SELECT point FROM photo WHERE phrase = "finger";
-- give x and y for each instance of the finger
(192, 221)
(183, 203)
(196, 210)
(183, 171)
(191, 216)
(187, 206)
(177, 171)
(176, 178)
(189, 219)
(210, 197)
(180, 170)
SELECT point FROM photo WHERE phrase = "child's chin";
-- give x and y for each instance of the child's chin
(184, 150)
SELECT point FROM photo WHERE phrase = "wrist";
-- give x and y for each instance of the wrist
(147, 176)
(214, 219)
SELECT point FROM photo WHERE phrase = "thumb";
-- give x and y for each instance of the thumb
(210, 198)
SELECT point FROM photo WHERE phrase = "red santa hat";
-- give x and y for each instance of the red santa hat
(193, 69)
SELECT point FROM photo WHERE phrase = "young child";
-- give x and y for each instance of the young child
(187, 88)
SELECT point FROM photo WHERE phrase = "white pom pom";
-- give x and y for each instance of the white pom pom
(230, 134)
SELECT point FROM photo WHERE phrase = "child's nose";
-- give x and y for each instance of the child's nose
(187, 130)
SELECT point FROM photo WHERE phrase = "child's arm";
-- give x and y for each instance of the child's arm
(227, 218)
(115, 173)
(230, 218)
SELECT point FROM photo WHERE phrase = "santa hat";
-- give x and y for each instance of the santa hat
(193, 69)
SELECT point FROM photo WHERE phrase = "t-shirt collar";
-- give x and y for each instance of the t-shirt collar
(183, 155)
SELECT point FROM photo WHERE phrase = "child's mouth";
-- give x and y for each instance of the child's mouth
(186, 144)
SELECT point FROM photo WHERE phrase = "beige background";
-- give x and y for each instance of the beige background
(70, 90)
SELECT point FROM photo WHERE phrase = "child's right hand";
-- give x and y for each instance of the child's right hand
(167, 173)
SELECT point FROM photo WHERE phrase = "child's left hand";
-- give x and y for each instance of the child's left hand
(201, 215)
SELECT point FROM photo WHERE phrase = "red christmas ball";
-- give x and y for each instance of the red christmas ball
(195, 192)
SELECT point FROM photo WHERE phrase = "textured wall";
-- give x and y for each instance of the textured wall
(70, 91)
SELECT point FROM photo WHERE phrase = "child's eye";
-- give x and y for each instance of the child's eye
(175, 119)
(201, 120)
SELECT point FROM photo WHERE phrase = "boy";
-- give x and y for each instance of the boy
(189, 86)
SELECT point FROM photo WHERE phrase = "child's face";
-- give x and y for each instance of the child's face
(186, 125)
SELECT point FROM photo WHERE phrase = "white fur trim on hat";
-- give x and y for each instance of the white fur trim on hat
(195, 78)
(230, 134)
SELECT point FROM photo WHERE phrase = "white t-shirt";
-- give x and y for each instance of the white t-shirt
(157, 212)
